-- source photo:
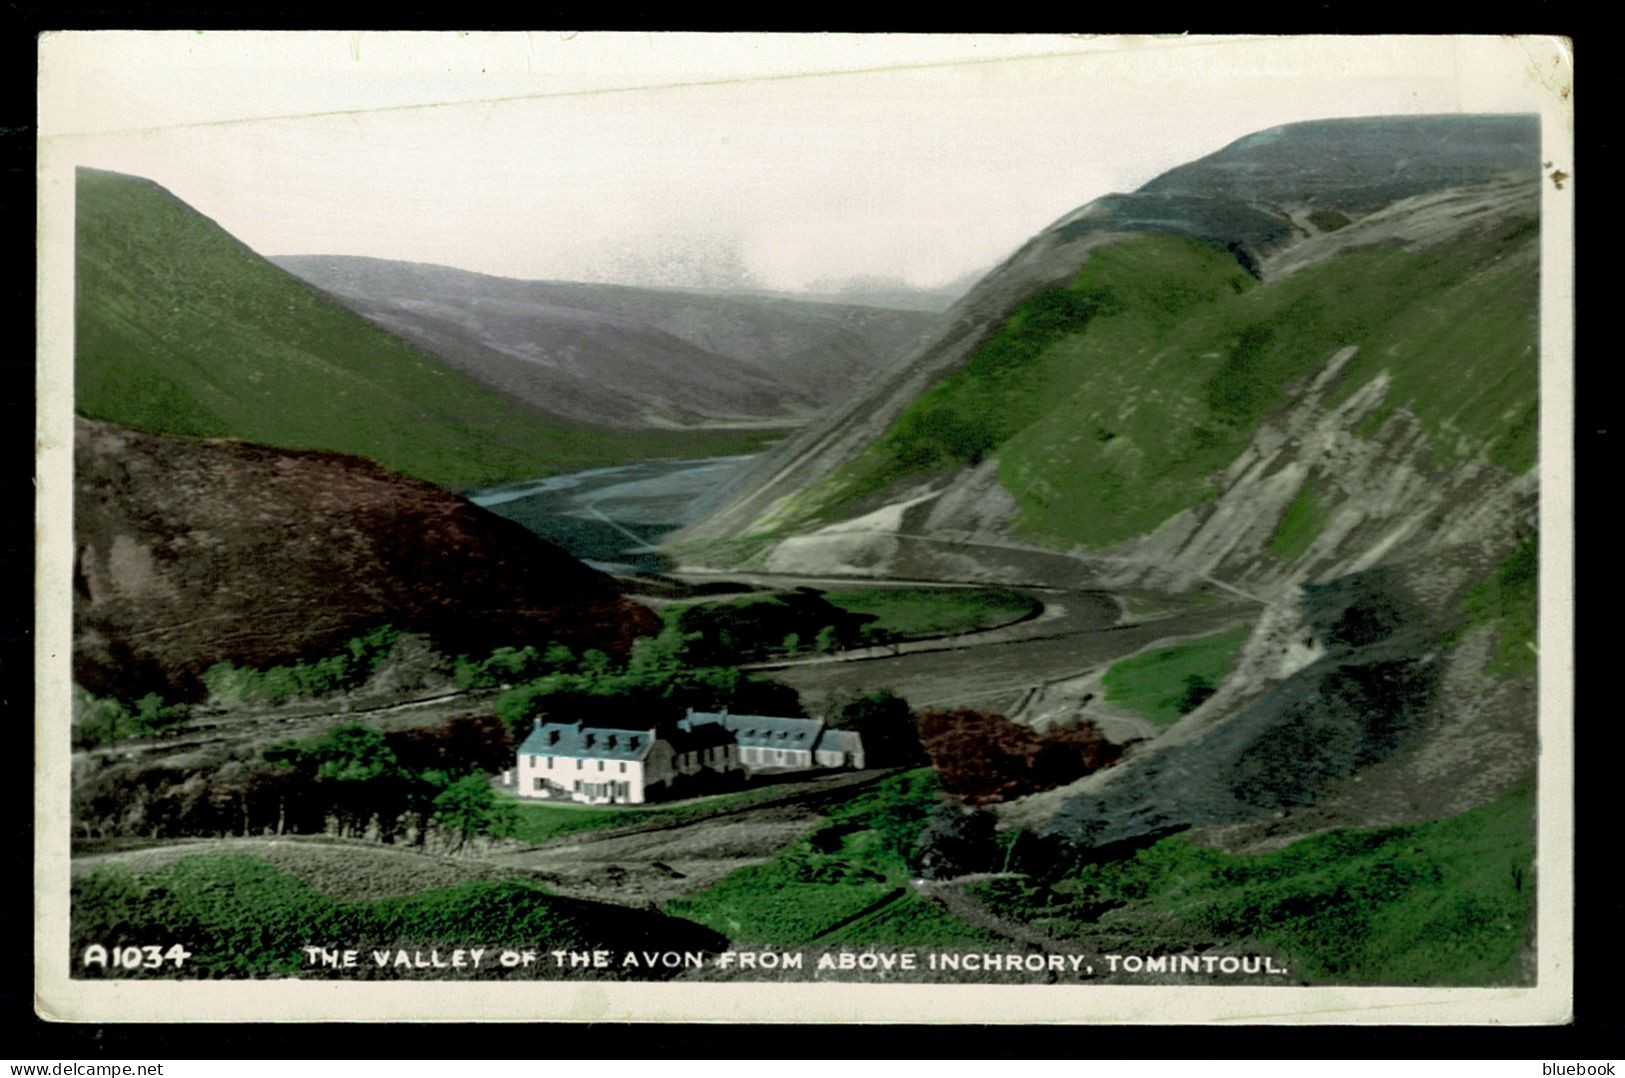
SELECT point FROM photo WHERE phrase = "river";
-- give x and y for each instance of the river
(611, 518)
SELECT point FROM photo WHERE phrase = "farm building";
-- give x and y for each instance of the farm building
(629, 765)
(767, 742)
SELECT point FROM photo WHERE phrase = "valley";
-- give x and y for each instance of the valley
(1172, 592)
(613, 518)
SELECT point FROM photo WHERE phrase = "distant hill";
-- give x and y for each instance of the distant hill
(632, 357)
(180, 328)
(892, 292)
(193, 551)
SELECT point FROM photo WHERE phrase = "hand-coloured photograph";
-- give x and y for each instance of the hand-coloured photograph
(804, 527)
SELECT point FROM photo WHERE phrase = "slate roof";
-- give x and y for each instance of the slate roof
(577, 742)
(840, 741)
(705, 735)
(759, 731)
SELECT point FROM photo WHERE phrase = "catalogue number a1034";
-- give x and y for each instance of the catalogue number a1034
(133, 957)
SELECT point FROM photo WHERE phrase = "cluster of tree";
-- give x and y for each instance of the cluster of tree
(335, 673)
(886, 723)
(657, 684)
(506, 667)
(420, 785)
(100, 720)
(983, 757)
(800, 620)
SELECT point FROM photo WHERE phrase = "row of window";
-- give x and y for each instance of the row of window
(612, 790)
(774, 756)
(580, 764)
(592, 789)
(717, 754)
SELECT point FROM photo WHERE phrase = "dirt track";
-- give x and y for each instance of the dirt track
(997, 670)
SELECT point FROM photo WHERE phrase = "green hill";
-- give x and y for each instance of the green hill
(1110, 402)
(182, 329)
(1115, 367)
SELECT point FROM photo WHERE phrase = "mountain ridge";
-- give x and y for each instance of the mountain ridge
(621, 354)
(181, 328)
(761, 497)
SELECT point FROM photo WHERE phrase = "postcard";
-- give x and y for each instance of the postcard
(816, 528)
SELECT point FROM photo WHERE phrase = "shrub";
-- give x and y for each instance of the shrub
(469, 808)
(101, 720)
(362, 656)
(885, 722)
(954, 842)
(984, 757)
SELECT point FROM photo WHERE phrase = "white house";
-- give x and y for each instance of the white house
(628, 765)
(593, 764)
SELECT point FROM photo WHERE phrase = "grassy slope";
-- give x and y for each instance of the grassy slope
(241, 916)
(1300, 525)
(1152, 685)
(1110, 403)
(930, 611)
(817, 890)
(1509, 597)
(340, 870)
(540, 822)
(182, 329)
(1442, 903)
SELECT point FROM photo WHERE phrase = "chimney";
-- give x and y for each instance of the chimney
(538, 725)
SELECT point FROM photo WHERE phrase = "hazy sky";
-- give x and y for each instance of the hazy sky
(780, 160)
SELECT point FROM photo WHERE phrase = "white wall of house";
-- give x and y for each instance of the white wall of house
(632, 782)
(593, 781)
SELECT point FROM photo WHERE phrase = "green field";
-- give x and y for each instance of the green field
(1443, 903)
(539, 823)
(845, 882)
(242, 917)
(1111, 403)
(760, 625)
(910, 612)
(1158, 685)
(181, 329)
